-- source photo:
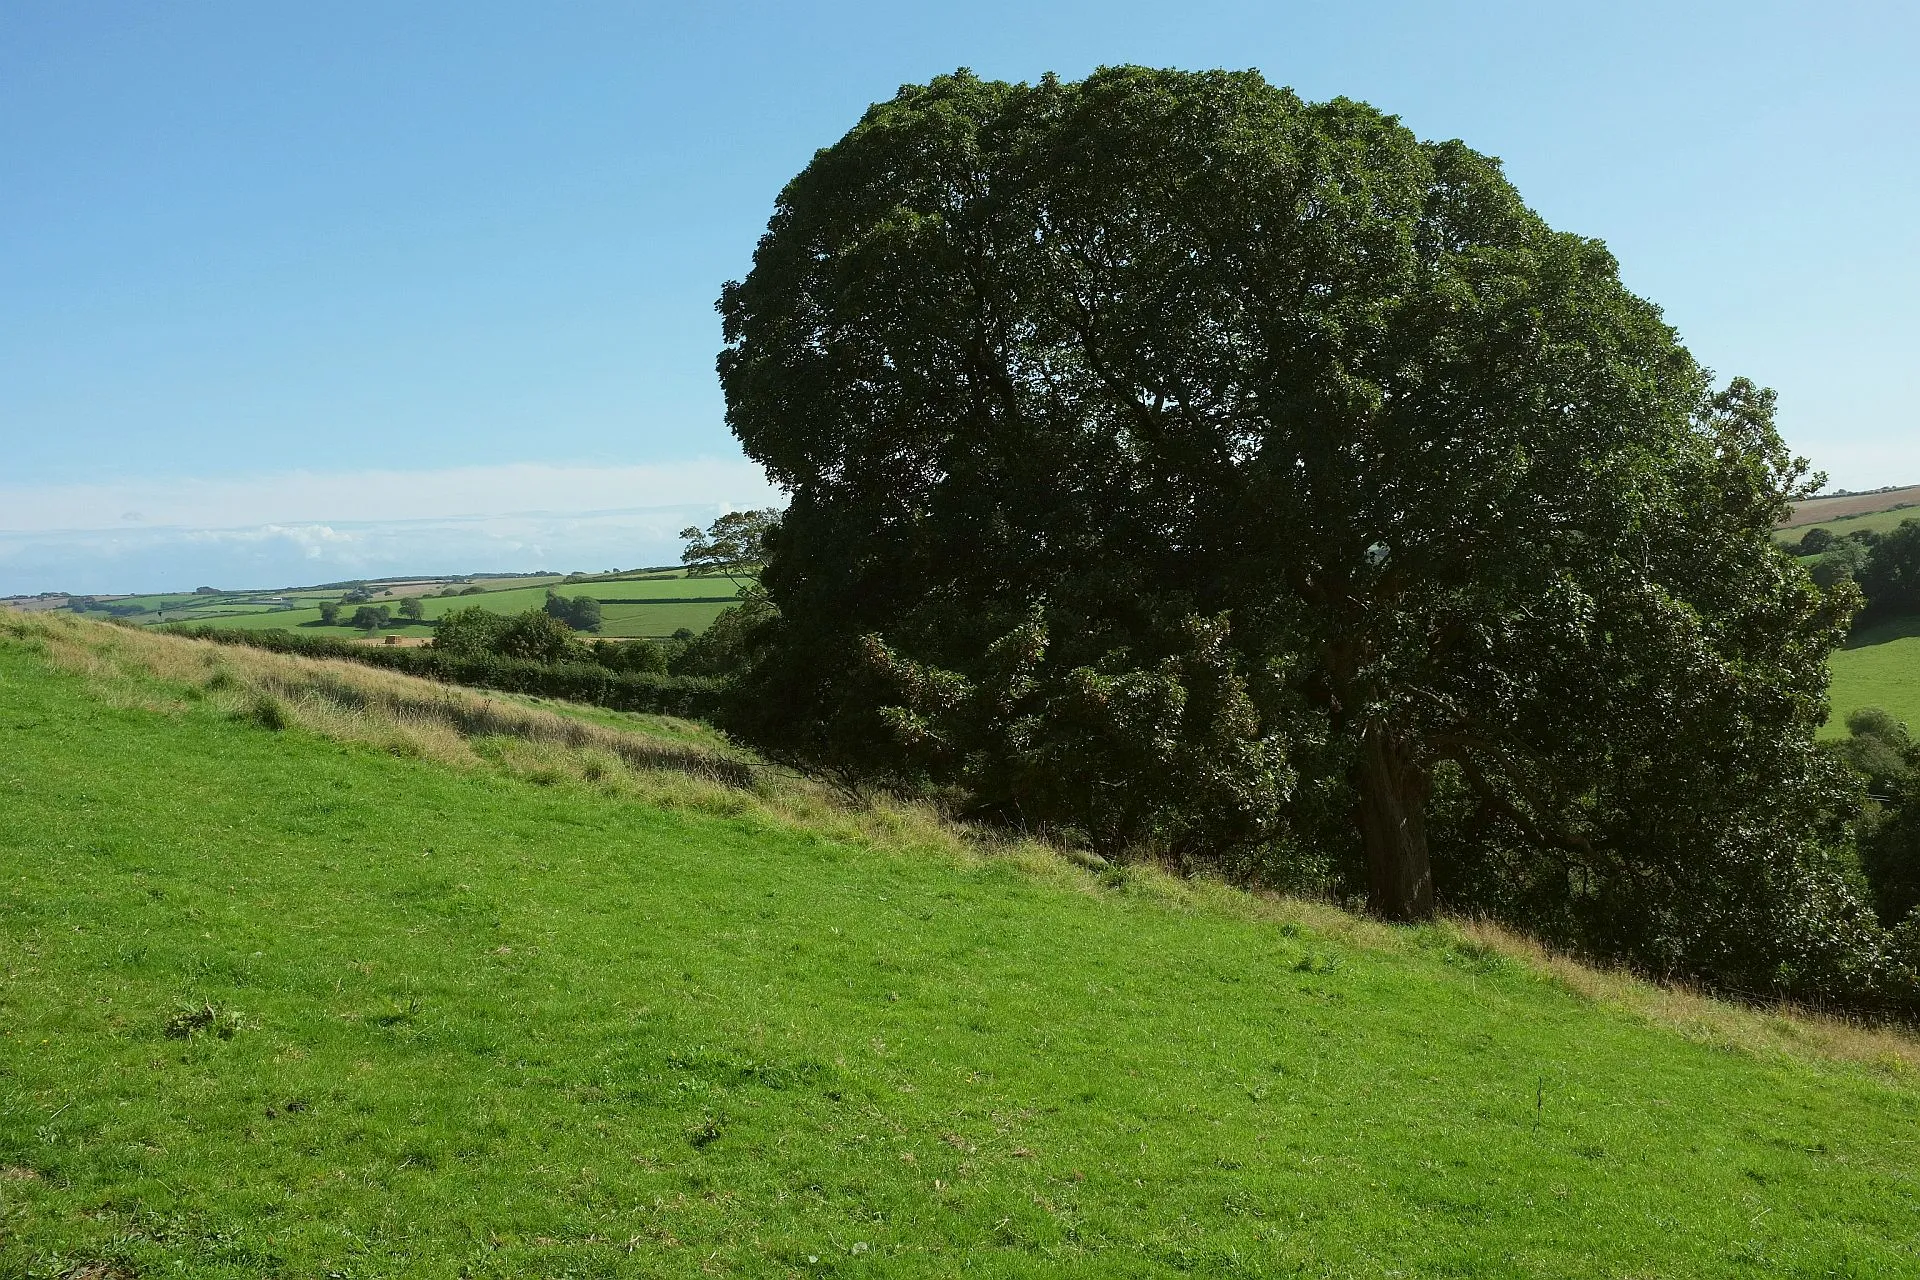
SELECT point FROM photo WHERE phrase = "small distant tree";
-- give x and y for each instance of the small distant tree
(1816, 540)
(371, 617)
(473, 591)
(410, 609)
(1842, 561)
(582, 613)
(330, 613)
(732, 547)
(206, 591)
(1878, 747)
(356, 595)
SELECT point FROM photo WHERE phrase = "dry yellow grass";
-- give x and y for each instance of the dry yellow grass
(408, 716)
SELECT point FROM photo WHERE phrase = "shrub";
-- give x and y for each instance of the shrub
(574, 681)
(1816, 540)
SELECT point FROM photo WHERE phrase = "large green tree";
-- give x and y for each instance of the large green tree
(1175, 459)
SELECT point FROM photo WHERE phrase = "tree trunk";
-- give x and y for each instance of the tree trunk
(1391, 811)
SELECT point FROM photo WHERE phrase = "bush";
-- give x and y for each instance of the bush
(1816, 540)
(1841, 562)
(630, 655)
(574, 681)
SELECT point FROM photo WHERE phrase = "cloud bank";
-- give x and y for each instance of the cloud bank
(282, 530)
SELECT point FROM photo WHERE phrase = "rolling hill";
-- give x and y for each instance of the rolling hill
(307, 969)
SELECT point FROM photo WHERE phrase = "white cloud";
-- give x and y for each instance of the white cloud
(288, 530)
(301, 497)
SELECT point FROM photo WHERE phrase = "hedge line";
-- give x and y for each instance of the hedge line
(689, 696)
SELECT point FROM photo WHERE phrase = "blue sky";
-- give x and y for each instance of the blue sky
(298, 292)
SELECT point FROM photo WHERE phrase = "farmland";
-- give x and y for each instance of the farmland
(1879, 667)
(354, 997)
(1852, 506)
(655, 604)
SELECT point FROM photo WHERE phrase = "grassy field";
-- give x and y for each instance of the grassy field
(1814, 511)
(360, 996)
(1876, 522)
(1880, 667)
(661, 605)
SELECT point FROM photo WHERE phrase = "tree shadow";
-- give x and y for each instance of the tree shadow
(1883, 631)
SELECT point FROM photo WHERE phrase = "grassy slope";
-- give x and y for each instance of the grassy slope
(1878, 668)
(549, 1030)
(1876, 521)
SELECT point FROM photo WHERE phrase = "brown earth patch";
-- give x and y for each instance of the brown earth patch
(1820, 510)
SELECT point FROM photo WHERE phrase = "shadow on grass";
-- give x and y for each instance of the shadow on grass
(1883, 631)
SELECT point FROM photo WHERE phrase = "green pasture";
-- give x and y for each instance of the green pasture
(275, 1006)
(661, 606)
(1873, 522)
(1880, 667)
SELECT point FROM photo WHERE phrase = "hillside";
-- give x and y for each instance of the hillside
(307, 969)
(1878, 667)
(654, 603)
(1877, 511)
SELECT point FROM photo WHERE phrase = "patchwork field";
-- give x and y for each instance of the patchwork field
(1852, 506)
(657, 604)
(294, 985)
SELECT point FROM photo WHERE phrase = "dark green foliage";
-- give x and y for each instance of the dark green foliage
(469, 632)
(580, 613)
(538, 636)
(724, 648)
(1841, 562)
(1816, 540)
(732, 546)
(630, 655)
(579, 680)
(330, 613)
(1890, 856)
(1879, 749)
(411, 609)
(1890, 579)
(1195, 466)
(371, 617)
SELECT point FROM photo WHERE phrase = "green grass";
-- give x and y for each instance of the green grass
(661, 607)
(272, 1005)
(1875, 522)
(1880, 667)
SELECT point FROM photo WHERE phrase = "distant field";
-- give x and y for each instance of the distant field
(660, 606)
(1878, 668)
(1825, 510)
(1875, 522)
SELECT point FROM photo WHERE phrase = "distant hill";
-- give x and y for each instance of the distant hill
(1849, 506)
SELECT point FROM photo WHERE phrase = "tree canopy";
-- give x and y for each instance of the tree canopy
(1220, 473)
(732, 546)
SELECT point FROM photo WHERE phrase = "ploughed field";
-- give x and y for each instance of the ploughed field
(289, 995)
